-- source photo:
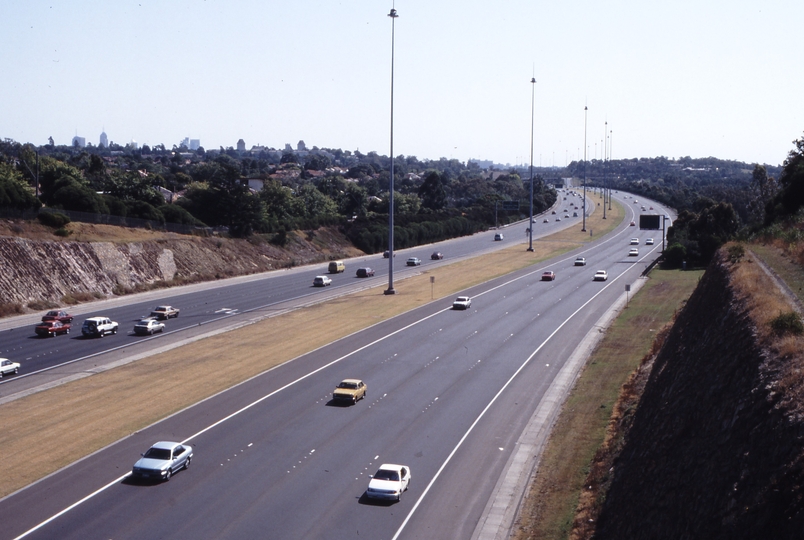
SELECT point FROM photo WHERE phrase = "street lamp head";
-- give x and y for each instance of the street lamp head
(393, 14)
(533, 79)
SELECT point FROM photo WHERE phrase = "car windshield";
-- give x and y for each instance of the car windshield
(157, 453)
(348, 385)
(383, 474)
(52, 313)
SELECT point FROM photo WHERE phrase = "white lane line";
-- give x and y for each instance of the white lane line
(110, 484)
(229, 417)
(490, 403)
(347, 355)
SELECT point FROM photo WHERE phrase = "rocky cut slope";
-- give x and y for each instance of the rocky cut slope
(716, 449)
(51, 270)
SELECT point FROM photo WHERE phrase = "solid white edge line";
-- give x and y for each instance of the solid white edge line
(243, 409)
(487, 407)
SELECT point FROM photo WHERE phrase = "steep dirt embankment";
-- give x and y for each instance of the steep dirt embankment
(717, 443)
(44, 270)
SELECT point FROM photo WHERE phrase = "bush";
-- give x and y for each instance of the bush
(736, 253)
(56, 220)
(674, 256)
(787, 323)
(62, 231)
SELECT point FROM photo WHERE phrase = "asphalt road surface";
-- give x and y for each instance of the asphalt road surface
(449, 394)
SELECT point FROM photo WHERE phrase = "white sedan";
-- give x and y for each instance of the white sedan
(633, 252)
(7, 367)
(601, 275)
(162, 460)
(462, 302)
(389, 482)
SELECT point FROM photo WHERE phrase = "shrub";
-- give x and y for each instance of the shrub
(8, 309)
(61, 231)
(787, 323)
(736, 253)
(53, 219)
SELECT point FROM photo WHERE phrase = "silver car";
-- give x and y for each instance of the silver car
(162, 460)
(148, 326)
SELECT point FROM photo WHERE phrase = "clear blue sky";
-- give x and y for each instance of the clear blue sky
(701, 78)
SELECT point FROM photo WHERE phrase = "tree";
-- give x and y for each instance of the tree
(432, 192)
(353, 201)
(14, 192)
(790, 196)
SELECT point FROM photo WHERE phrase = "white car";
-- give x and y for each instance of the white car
(162, 460)
(601, 275)
(649, 242)
(633, 252)
(321, 281)
(148, 326)
(635, 241)
(499, 236)
(414, 261)
(389, 482)
(580, 261)
(7, 367)
(462, 302)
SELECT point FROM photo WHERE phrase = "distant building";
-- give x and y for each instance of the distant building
(104, 140)
(80, 142)
(195, 144)
(241, 145)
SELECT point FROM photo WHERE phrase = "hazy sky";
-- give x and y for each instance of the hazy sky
(696, 78)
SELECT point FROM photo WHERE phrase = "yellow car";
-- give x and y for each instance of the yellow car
(349, 390)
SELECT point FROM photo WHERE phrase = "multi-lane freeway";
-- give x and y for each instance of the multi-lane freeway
(450, 394)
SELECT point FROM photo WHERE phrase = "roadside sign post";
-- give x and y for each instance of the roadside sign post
(432, 286)
(627, 290)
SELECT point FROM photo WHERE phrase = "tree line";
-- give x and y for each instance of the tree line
(268, 192)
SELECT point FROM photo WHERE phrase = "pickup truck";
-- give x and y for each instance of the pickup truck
(165, 312)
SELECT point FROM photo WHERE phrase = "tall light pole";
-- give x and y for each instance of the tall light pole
(605, 168)
(390, 289)
(532, 102)
(610, 143)
(585, 109)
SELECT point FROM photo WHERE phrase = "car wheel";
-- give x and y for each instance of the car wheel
(101, 333)
(16, 370)
(68, 331)
(187, 463)
(168, 475)
(114, 330)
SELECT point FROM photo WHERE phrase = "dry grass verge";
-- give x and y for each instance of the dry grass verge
(72, 420)
(550, 508)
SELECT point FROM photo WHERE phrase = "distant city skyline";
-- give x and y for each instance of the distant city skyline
(717, 78)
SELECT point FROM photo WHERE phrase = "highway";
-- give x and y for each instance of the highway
(207, 303)
(449, 394)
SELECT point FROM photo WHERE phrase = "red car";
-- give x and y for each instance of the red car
(57, 315)
(52, 328)
(548, 276)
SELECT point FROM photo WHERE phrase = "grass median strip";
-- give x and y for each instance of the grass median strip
(70, 421)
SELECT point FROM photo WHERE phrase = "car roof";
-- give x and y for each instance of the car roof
(96, 319)
(165, 445)
(352, 381)
(392, 466)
